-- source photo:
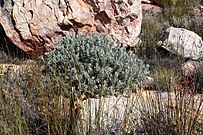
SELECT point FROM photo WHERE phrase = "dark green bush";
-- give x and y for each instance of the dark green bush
(93, 63)
(192, 21)
(176, 8)
(151, 27)
(184, 14)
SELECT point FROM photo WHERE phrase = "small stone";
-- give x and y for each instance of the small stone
(191, 68)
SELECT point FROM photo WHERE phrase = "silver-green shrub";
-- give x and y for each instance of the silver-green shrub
(94, 65)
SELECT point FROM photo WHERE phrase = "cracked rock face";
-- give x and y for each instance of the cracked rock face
(34, 25)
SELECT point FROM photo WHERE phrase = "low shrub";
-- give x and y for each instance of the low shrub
(151, 27)
(192, 21)
(31, 103)
(173, 113)
(165, 79)
(93, 63)
(176, 8)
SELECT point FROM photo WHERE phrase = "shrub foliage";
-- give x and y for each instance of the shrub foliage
(94, 65)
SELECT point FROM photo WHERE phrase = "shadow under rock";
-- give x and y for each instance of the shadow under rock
(9, 53)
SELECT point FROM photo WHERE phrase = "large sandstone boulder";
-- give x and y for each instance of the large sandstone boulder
(34, 25)
(182, 42)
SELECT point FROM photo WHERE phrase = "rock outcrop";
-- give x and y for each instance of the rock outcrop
(182, 42)
(150, 7)
(192, 68)
(147, 1)
(114, 111)
(34, 26)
